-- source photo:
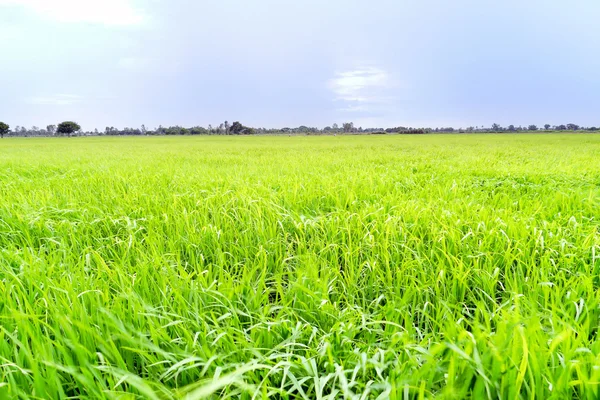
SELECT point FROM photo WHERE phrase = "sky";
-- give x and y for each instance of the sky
(283, 63)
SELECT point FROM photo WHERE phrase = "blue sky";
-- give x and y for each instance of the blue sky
(278, 63)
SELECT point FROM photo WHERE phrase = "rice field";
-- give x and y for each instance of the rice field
(349, 267)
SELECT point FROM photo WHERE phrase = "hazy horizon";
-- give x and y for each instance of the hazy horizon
(273, 64)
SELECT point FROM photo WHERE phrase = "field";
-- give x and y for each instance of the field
(402, 267)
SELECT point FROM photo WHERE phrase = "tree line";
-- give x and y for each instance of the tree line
(70, 128)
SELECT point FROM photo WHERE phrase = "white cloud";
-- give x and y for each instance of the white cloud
(361, 90)
(108, 12)
(55, 100)
(357, 85)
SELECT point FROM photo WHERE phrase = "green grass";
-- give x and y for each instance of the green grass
(402, 267)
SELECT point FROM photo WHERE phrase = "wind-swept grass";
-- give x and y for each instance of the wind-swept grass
(300, 268)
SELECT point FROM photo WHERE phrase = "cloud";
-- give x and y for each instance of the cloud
(362, 90)
(358, 85)
(107, 12)
(55, 100)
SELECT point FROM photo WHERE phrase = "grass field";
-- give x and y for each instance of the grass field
(402, 267)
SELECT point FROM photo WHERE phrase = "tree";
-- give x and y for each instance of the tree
(546, 126)
(496, 127)
(67, 128)
(198, 130)
(532, 128)
(239, 129)
(4, 129)
(236, 128)
(512, 128)
(572, 127)
(176, 130)
(111, 131)
(348, 126)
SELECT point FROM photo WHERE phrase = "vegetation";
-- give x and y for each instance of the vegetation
(4, 129)
(394, 267)
(238, 129)
(67, 128)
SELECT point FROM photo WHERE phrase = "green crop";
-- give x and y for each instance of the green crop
(401, 267)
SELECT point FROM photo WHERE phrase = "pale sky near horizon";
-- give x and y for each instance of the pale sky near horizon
(277, 63)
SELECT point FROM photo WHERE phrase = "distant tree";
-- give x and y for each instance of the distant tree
(572, 127)
(176, 130)
(348, 126)
(546, 126)
(67, 128)
(111, 131)
(303, 129)
(512, 128)
(227, 128)
(532, 128)
(236, 128)
(128, 132)
(335, 127)
(239, 129)
(560, 128)
(198, 130)
(4, 129)
(496, 127)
